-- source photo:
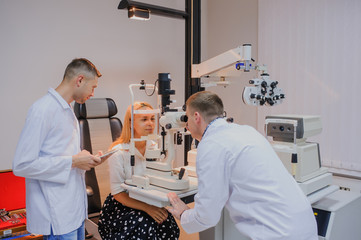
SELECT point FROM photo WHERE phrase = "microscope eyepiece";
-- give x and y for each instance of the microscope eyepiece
(184, 118)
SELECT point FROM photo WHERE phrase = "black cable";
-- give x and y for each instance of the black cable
(149, 95)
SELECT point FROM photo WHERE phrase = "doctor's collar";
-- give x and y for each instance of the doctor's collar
(205, 130)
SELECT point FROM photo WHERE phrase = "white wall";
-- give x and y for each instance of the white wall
(314, 48)
(39, 38)
(232, 23)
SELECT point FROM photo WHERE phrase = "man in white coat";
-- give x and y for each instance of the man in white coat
(48, 155)
(238, 169)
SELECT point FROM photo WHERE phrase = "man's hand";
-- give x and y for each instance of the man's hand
(178, 206)
(84, 160)
(107, 155)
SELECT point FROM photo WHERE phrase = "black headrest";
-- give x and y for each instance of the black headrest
(96, 108)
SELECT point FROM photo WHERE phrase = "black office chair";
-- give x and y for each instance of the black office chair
(98, 129)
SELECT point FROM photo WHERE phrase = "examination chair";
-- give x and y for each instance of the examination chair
(98, 129)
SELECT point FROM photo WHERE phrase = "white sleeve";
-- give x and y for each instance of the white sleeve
(213, 188)
(27, 161)
(117, 171)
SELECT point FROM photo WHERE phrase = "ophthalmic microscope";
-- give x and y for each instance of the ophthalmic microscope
(160, 177)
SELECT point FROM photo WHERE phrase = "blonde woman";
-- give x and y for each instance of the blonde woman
(123, 217)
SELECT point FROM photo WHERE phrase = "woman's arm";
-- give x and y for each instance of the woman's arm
(158, 214)
(118, 176)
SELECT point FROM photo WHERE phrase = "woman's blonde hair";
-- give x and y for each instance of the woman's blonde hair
(126, 130)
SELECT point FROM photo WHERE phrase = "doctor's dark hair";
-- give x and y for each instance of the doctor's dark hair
(81, 66)
(126, 130)
(207, 103)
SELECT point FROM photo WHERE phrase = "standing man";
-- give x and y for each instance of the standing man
(238, 169)
(48, 156)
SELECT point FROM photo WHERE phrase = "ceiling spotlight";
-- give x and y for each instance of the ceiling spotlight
(138, 13)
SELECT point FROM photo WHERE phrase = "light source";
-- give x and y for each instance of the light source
(138, 13)
(156, 10)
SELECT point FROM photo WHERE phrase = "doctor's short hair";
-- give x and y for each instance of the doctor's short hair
(207, 103)
(81, 66)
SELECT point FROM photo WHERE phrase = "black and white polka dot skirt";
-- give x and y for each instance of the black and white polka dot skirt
(120, 222)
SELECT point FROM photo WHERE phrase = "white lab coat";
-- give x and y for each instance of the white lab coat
(237, 168)
(55, 192)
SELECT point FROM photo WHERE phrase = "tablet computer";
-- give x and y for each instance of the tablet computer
(108, 153)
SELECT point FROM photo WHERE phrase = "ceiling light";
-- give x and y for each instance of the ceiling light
(138, 13)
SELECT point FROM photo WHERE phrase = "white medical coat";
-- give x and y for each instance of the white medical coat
(55, 192)
(237, 168)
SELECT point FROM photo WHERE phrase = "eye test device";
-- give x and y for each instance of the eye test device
(160, 176)
(337, 212)
(301, 158)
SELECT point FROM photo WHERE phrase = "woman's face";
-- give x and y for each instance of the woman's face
(143, 123)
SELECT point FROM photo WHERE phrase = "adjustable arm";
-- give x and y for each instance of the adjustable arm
(224, 60)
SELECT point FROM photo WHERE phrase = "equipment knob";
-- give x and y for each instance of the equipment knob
(142, 82)
(274, 84)
(132, 160)
(270, 101)
(230, 119)
(181, 173)
(184, 118)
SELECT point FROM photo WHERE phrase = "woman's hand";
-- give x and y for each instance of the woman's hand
(158, 214)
